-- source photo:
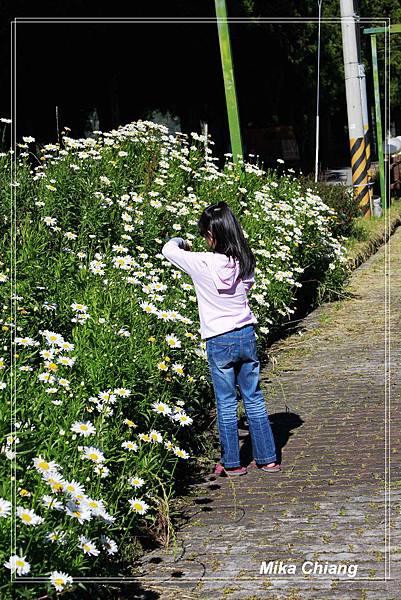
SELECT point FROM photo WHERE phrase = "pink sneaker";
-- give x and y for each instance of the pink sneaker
(219, 470)
(225, 471)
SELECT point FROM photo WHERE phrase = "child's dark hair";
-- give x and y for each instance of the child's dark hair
(228, 234)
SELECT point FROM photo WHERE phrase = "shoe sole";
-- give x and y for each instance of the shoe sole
(274, 469)
(224, 473)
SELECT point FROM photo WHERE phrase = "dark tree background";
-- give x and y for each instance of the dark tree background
(125, 70)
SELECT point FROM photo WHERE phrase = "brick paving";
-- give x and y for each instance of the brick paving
(325, 393)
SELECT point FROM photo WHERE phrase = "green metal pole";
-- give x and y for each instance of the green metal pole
(378, 121)
(229, 83)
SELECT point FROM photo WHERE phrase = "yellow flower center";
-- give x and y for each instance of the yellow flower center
(26, 517)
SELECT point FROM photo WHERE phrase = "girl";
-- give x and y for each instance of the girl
(222, 279)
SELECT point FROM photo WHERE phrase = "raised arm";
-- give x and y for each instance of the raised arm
(190, 262)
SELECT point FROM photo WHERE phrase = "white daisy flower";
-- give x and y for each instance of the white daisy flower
(67, 346)
(173, 341)
(179, 452)
(136, 482)
(47, 377)
(138, 505)
(53, 338)
(25, 341)
(73, 488)
(66, 360)
(95, 506)
(123, 392)
(51, 502)
(49, 220)
(108, 544)
(84, 428)
(28, 516)
(178, 368)
(102, 470)
(164, 315)
(54, 480)
(131, 446)
(182, 418)
(93, 454)
(5, 508)
(19, 564)
(155, 436)
(57, 536)
(79, 511)
(161, 407)
(162, 366)
(148, 307)
(44, 466)
(107, 396)
(87, 546)
(60, 580)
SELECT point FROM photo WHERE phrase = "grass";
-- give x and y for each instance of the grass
(369, 233)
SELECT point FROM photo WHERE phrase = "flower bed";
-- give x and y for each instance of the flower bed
(102, 351)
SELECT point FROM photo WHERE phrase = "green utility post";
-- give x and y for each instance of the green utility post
(372, 31)
(229, 83)
(378, 121)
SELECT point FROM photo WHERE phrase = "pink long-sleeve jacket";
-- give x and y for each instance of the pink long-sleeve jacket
(222, 298)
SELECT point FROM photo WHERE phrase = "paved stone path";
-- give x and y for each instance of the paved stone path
(325, 393)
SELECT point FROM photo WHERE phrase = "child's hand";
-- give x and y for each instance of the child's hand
(186, 245)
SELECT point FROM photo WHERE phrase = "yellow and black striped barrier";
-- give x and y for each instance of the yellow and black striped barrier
(368, 164)
(360, 175)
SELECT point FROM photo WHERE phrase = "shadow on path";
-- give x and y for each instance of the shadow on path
(282, 424)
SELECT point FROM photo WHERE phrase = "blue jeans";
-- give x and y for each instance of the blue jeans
(233, 360)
